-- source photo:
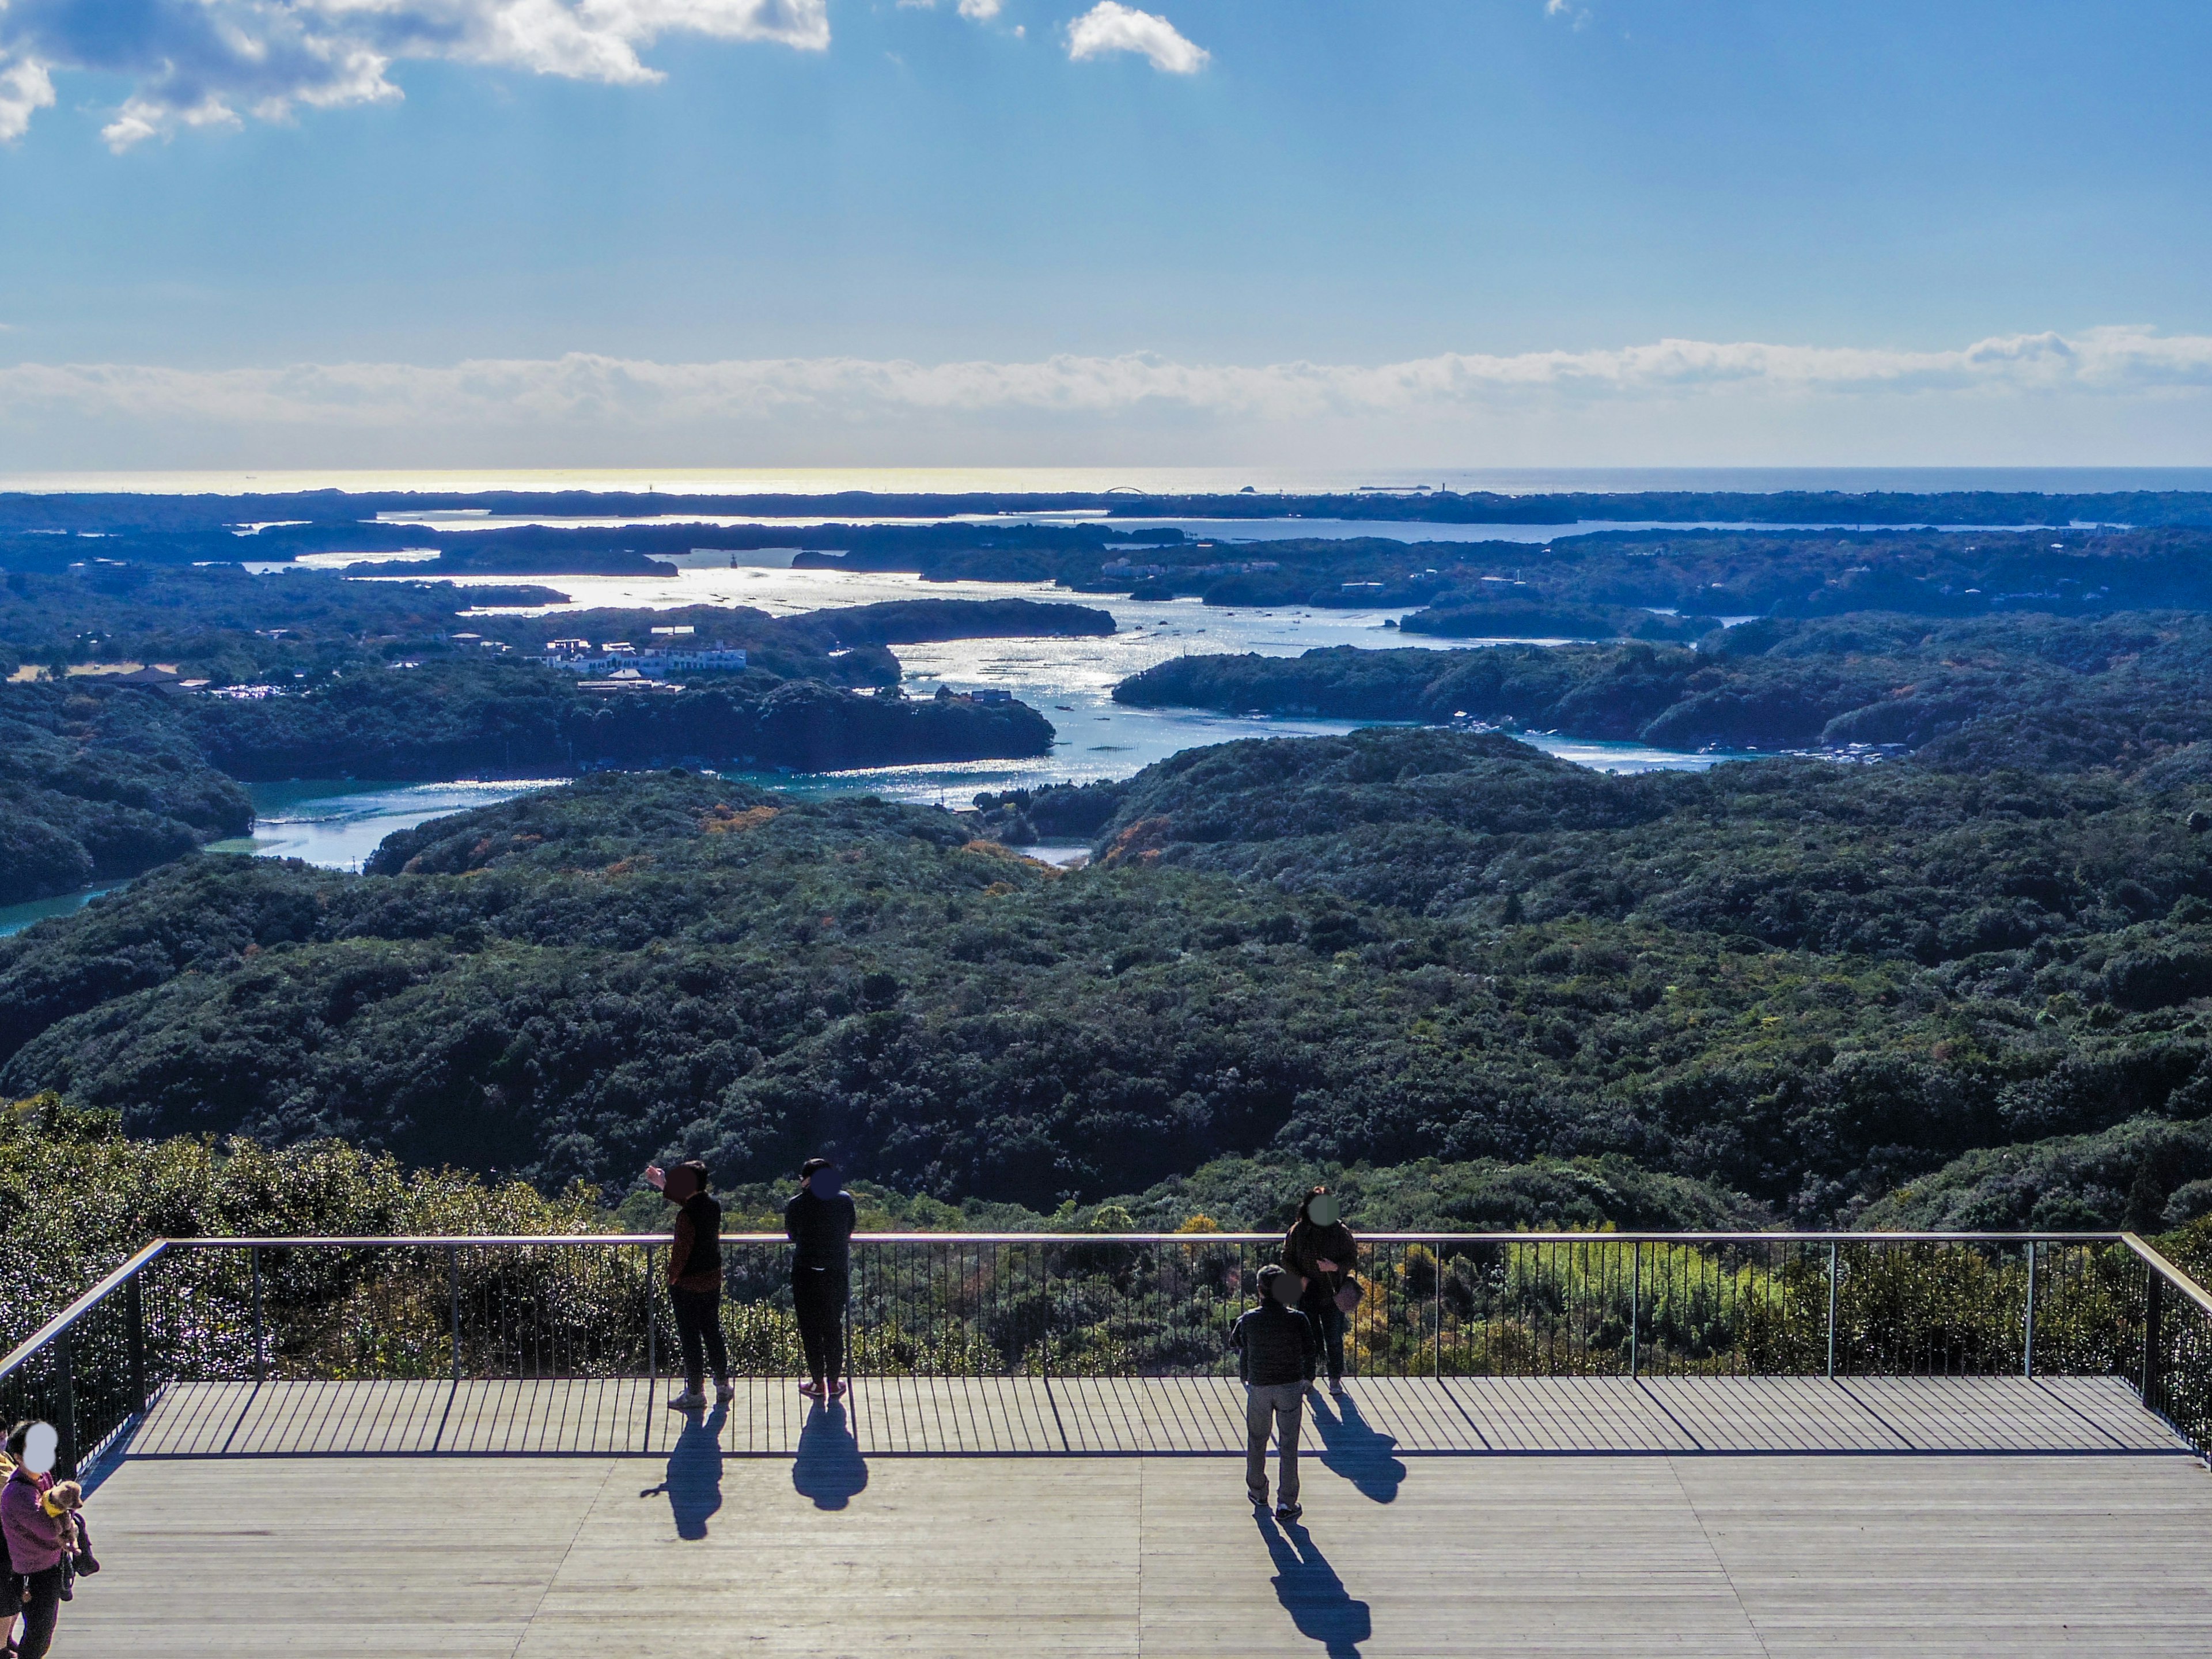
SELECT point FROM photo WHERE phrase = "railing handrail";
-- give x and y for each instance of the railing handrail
(2166, 1270)
(77, 1309)
(487, 1240)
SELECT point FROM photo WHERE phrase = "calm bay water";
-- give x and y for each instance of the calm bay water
(338, 824)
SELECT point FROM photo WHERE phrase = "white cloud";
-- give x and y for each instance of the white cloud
(212, 63)
(2030, 399)
(25, 87)
(981, 11)
(1111, 27)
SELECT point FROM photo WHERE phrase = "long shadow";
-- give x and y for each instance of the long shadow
(1311, 1591)
(694, 1482)
(829, 1467)
(1351, 1447)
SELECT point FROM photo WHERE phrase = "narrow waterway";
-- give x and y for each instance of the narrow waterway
(1070, 682)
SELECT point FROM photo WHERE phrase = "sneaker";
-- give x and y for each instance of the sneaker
(1287, 1513)
(724, 1393)
(837, 1390)
(811, 1390)
(1259, 1501)
(1336, 1387)
(688, 1401)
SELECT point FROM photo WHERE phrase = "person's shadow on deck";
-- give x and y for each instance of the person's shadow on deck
(1311, 1591)
(829, 1467)
(694, 1482)
(1358, 1452)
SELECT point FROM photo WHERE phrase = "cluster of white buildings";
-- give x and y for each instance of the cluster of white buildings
(670, 652)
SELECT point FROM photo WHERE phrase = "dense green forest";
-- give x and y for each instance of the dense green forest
(2027, 691)
(100, 780)
(99, 785)
(1967, 986)
(1802, 987)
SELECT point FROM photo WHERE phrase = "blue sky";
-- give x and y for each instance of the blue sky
(1350, 186)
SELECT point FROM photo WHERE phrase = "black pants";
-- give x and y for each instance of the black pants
(699, 1325)
(39, 1612)
(819, 1300)
(1329, 1320)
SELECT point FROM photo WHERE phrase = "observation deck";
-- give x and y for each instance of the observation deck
(1965, 1464)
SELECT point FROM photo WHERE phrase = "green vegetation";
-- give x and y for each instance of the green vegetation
(378, 679)
(95, 784)
(2035, 691)
(1805, 984)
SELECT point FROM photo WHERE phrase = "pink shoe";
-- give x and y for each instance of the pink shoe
(837, 1390)
(811, 1390)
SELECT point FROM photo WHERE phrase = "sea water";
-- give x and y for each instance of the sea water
(337, 824)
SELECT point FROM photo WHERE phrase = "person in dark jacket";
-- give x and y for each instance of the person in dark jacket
(1320, 1250)
(819, 1221)
(1276, 1349)
(694, 1283)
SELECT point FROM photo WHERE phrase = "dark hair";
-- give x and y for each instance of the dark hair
(1269, 1274)
(698, 1168)
(19, 1436)
(814, 1163)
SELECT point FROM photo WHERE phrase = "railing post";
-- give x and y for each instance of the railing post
(260, 1342)
(2027, 1336)
(134, 1314)
(453, 1288)
(65, 1401)
(652, 1353)
(1437, 1314)
(1832, 1309)
(2154, 1334)
(1044, 1278)
(1635, 1307)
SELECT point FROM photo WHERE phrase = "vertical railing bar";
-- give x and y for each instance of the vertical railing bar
(1635, 1306)
(453, 1289)
(65, 1398)
(2154, 1309)
(260, 1346)
(1832, 1309)
(2027, 1331)
(134, 1310)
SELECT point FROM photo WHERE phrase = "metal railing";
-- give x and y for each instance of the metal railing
(1531, 1304)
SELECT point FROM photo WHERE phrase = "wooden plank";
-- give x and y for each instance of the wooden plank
(919, 1416)
(839, 1549)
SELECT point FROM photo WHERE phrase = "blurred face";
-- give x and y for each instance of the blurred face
(40, 1447)
(1324, 1210)
(822, 1183)
(1288, 1288)
(681, 1184)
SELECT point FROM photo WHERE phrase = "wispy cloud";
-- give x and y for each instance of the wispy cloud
(2047, 399)
(1110, 26)
(582, 387)
(214, 62)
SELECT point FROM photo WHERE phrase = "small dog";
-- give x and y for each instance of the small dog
(64, 1503)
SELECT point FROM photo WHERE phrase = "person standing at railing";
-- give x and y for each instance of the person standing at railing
(819, 1221)
(1277, 1351)
(695, 1282)
(1321, 1251)
(34, 1545)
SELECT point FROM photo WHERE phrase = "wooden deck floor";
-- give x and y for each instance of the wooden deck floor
(1471, 1516)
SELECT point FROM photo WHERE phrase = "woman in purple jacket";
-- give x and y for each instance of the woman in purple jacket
(35, 1542)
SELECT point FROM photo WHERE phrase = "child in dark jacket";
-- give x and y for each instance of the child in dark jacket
(1277, 1352)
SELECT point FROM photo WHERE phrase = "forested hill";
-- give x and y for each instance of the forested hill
(2032, 690)
(100, 785)
(1809, 984)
